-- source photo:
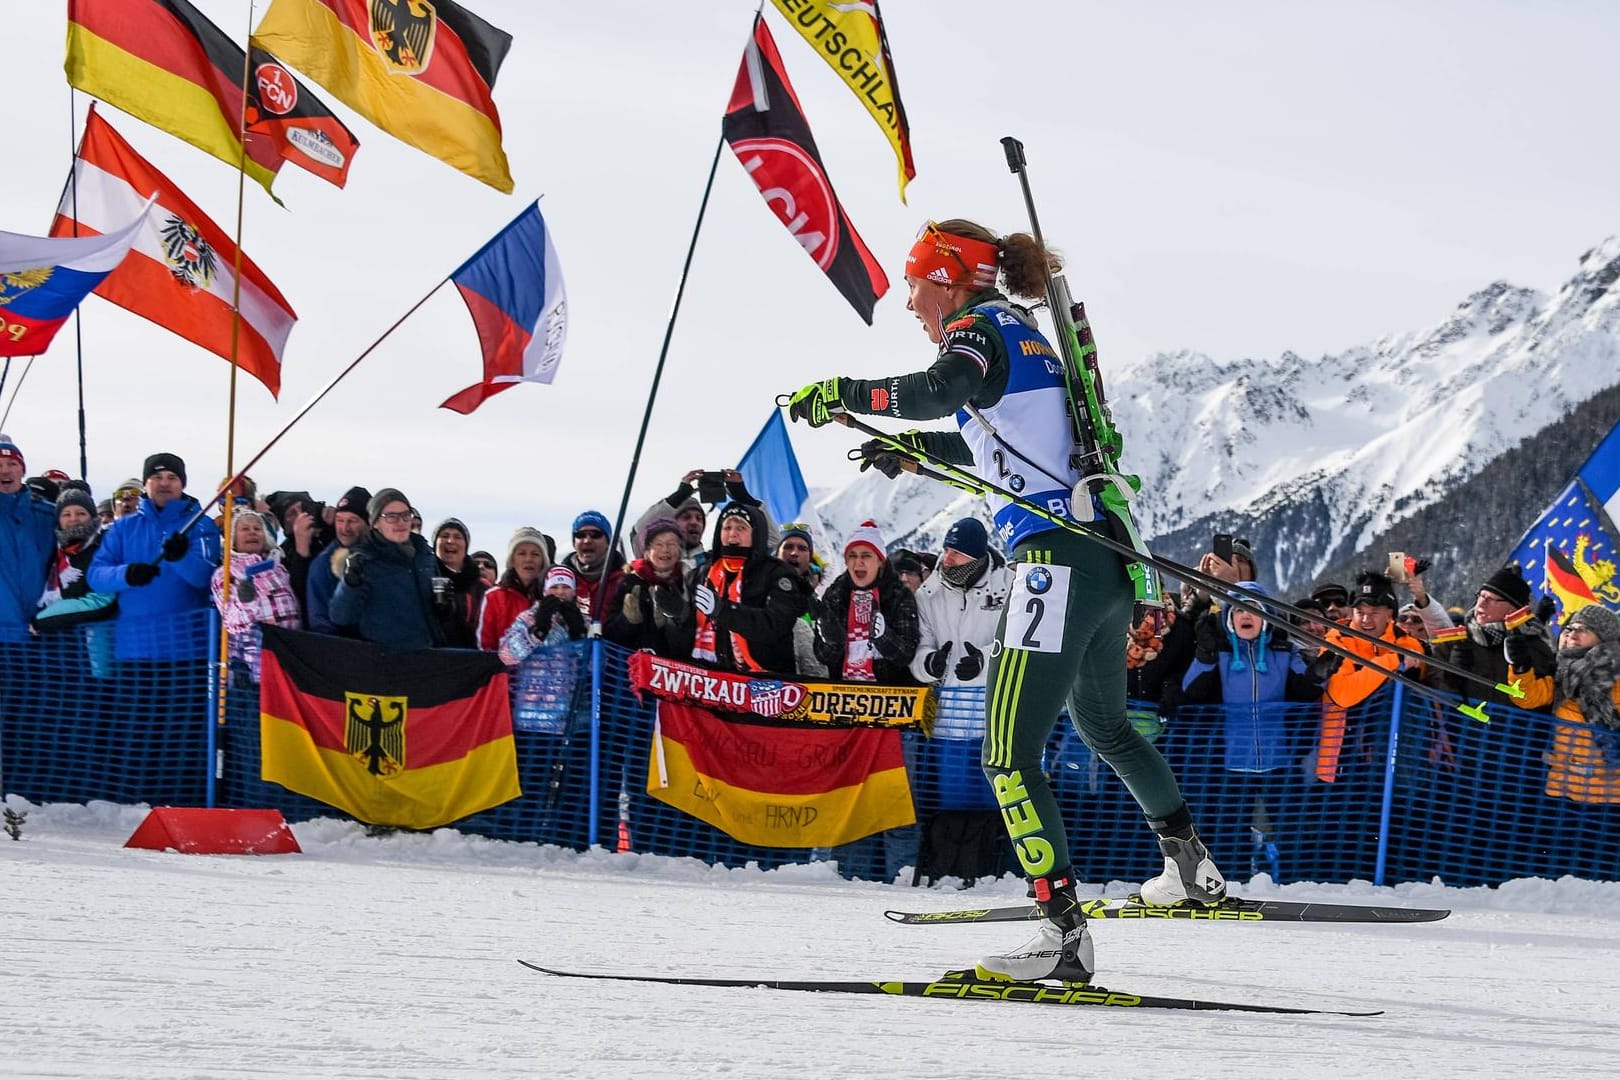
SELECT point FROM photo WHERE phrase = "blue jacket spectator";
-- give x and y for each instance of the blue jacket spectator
(386, 593)
(1245, 664)
(157, 572)
(27, 544)
(350, 524)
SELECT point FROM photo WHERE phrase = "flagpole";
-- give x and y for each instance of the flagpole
(16, 389)
(652, 393)
(78, 332)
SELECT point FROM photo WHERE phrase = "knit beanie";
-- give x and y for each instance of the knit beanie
(456, 524)
(1261, 644)
(1376, 589)
(868, 535)
(357, 501)
(76, 497)
(526, 534)
(1509, 584)
(969, 537)
(796, 529)
(1241, 547)
(374, 507)
(594, 519)
(561, 575)
(657, 527)
(9, 449)
(164, 460)
(73, 534)
(1598, 619)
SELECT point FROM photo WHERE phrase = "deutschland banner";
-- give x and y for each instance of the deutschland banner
(785, 787)
(414, 738)
(164, 62)
(770, 136)
(423, 72)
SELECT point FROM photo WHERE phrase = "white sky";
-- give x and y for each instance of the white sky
(1240, 180)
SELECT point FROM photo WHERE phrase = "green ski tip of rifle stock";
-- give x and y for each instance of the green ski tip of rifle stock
(1512, 689)
(1477, 712)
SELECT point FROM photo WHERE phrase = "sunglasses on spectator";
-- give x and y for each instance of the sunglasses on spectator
(396, 515)
(484, 564)
(590, 534)
(127, 493)
(1413, 620)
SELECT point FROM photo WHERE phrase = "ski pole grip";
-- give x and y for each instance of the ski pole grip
(1015, 153)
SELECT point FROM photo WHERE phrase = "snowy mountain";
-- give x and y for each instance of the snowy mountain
(1315, 457)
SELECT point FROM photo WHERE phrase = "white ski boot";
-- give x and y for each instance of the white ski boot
(1061, 948)
(1190, 875)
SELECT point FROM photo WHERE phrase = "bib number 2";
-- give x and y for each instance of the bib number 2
(1038, 608)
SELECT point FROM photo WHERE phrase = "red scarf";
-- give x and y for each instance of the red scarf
(859, 654)
(725, 578)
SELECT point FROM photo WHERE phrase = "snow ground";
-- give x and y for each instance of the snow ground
(394, 957)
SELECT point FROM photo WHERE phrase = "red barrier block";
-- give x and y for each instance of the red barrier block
(194, 830)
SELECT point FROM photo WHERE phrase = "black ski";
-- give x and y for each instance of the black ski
(962, 986)
(1231, 909)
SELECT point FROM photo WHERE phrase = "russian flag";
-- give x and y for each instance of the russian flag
(42, 281)
(513, 288)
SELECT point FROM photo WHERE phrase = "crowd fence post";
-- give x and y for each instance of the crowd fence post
(1397, 705)
(216, 705)
(595, 779)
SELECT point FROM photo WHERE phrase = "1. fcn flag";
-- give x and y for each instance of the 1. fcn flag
(779, 786)
(850, 37)
(770, 136)
(411, 737)
(162, 61)
(181, 271)
(513, 288)
(43, 279)
(422, 71)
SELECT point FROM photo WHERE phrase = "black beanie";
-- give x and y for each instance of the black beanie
(1376, 589)
(1509, 584)
(167, 461)
(354, 501)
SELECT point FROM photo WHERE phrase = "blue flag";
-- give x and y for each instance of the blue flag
(1571, 550)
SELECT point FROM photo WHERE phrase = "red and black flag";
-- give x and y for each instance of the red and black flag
(164, 62)
(411, 737)
(770, 136)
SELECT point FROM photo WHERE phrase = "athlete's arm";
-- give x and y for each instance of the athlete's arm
(971, 361)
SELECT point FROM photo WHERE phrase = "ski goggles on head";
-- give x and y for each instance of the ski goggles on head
(949, 259)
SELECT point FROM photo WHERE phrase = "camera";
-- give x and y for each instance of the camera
(712, 487)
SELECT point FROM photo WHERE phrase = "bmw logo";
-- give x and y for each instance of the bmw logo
(1038, 580)
(1016, 483)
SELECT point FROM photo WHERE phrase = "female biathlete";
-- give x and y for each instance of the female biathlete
(1063, 632)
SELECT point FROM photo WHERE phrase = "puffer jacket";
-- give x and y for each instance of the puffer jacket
(393, 604)
(756, 632)
(893, 650)
(27, 544)
(948, 614)
(146, 613)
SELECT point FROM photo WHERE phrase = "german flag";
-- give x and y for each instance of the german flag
(1564, 582)
(779, 786)
(421, 71)
(163, 62)
(416, 738)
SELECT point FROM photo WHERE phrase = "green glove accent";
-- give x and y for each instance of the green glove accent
(816, 403)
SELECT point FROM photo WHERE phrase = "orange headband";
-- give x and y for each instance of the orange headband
(952, 260)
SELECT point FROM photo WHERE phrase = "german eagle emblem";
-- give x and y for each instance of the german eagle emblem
(190, 256)
(16, 282)
(402, 32)
(375, 732)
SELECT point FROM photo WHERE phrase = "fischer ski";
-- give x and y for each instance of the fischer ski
(1231, 909)
(963, 986)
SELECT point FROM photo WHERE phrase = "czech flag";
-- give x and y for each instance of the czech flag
(42, 281)
(513, 288)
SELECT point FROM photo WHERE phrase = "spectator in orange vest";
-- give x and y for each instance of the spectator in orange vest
(1349, 683)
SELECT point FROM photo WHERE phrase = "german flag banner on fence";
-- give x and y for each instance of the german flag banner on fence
(779, 786)
(416, 737)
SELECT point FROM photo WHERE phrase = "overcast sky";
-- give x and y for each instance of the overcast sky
(1238, 179)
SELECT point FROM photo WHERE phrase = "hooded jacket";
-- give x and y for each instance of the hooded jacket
(393, 604)
(947, 614)
(770, 597)
(27, 543)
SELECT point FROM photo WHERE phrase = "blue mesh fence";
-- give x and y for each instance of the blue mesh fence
(1417, 790)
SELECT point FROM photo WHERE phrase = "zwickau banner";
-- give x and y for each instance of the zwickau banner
(836, 704)
(775, 785)
(411, 737)
(850, 37)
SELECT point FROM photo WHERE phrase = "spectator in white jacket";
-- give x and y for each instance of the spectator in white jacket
(959, 608)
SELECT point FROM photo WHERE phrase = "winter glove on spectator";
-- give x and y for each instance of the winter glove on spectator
(632, 607)
(246, 591)
(545, 612)
(1545, 609)
(140, 573)
(934, 662)
(703, 599)
(354, 569)
(972, 662)
(176, 546)
(879, 626)
(668, 606)
(1322, 668)
(1530, 652)
(1207, 640)
(572, 618)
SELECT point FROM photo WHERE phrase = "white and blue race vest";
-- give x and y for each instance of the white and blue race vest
(1031, 416)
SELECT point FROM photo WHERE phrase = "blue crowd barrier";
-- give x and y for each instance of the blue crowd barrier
(1419, 791)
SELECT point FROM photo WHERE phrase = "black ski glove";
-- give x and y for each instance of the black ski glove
(934, 662)
(880, 455)
(1322, 668)
(1518, 651)
(972, 662)
(354, 570)
(669, 606)
(1207, 639)
(176, 546)
(140, 573)
(545, 611)
(572, 618)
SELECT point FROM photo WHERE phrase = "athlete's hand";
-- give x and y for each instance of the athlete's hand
(880, 454)
(816, 403)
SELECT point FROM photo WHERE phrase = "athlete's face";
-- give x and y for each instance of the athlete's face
(932, 302)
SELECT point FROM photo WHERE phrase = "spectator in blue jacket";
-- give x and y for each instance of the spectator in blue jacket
(159, 572)
(386, 592)
(351, 521)
(27, 544)
(1251, 669)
